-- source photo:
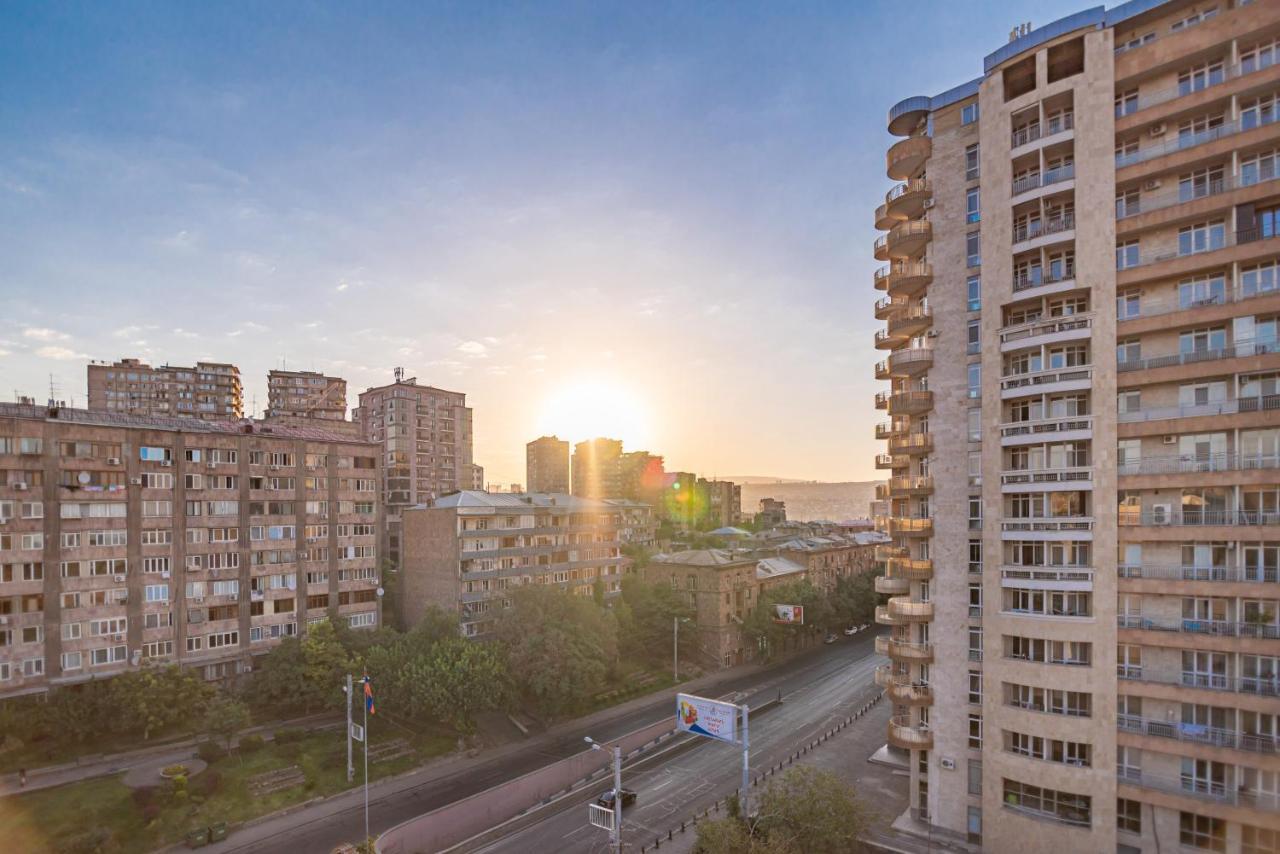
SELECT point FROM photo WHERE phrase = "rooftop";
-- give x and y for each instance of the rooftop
(497, 500)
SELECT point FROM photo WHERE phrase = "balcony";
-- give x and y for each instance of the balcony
(907, 240)
(905, 159)
(909, 736)
(1036, 180)
(910, 568)
(911, 362)
(903, 609)
(1229, 574)
(888, 461)
(1198, 518)
(913, 526)
(886, 339)
(1046, 429)
(907, 200)
(1240, 350)
(1037, 382)
(1066, 525)
(887, 307)
(911, 321)
(1032, 132)
(1196, 733)
(1148, 202)
(1261, 686)
(887, 552)
(892, 586)
(903, 689)
(883, 221)
(913, 444)
(1049, 330)
(1080, 477)
(903, 278)
(909, 402)
(1261, 403)
(1190, 140)
(884, 618)
(901, 487)
(1042, 228)
(1204, 790)
(1060, 578)
(1217, 628)
(1198, 464)
(904, 650)
(891, 430)
(1064, 280)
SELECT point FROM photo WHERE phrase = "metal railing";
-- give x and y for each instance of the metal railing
(1170, 93)
(1238, 350)
(1155, 308)
(1043, 179)
(1244, 235)
(919, 185)
(1260, 403)
(1219, 628)
(1073, 523)
(1022, 282)
(1263, 686)
(1199, 463)
(1199, 518)
(1039, 228)
(1031, 132)
(1045, 326)
(1206, 790)
(1190, 140)
(1177, 196)
(1046, 425)
(1198, 733)
(1032, 476)
(1040, 573)
(1038, 378)
(1199, 573)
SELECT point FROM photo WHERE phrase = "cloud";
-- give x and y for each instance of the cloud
(473, 349)
(60, 353)
(342, 286)
(40, 333)
(127, 331)
(182, 333)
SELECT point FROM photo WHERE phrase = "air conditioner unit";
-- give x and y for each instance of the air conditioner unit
(136, 481)
(164, 573)
(117, 637)
(1170, 440)
(119, 579)
(199, 600)
(928, 204)
(4, 621)
(1153, 184)
(211, 465)
(1157, 129)
(166, 463)
(246, 668)
(20, 486)
(1160, 514)
(113, 461)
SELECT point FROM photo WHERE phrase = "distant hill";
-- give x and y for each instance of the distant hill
(807, 501)
(760, 478)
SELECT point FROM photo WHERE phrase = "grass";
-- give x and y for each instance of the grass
(53, 820)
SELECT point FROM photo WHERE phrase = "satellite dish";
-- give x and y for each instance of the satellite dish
(83, 477)
(381, 592)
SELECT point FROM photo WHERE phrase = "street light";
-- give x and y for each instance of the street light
(616, 834)
(675, 646)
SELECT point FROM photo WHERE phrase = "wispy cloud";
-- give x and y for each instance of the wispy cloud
(59, 353)
(41, 333)
(474, 349)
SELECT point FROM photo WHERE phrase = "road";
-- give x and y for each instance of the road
(321, 827)
(816, 697)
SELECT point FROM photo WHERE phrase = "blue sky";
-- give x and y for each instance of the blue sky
(672, 200)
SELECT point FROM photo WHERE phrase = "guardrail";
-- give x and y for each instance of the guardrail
(1045, 326)
(1199, 464)
(1199, 518)
(1037, 378)
(1198, 733)
(1220, 628)
(1260, 403)
(1039, 228)
(1199, 573)
(1046, 425)
(1241, 349)
(1191, 140)
(1031, 132)
(1043, 179)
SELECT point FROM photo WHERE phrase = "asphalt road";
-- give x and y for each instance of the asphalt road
(816, 696)
(319, 830)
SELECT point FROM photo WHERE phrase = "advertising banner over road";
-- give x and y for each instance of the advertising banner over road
(711, 718)
(789, 614)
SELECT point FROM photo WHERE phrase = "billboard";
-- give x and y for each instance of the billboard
(789, 614)
(711, 718)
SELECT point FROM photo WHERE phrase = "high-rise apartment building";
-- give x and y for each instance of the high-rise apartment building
(125, 539)
(1081, 324)
(425, 435)
(465, 551)
(597, 468)
(210, 391)
(306, 395)
(547, 465)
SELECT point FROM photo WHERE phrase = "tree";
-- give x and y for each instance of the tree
(76, 713)
(559, 647)
(855, 598)
(462, 678)
(306, 676)
(154, 698)
(645, 624)
(225, 717)
(760, 625)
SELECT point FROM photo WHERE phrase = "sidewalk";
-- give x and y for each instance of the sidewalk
(88, 767)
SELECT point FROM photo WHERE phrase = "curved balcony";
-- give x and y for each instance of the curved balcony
(904, 278)
(884, 618)
(906, 201)
(908, 239)
(888, 552)
(882, 400)
(880, 248)
(913, 526)
(911, 362)
(882, 370)
(887, 339)
(886, 462)
(887, 307)
(906, 115)
(910, 402)
(909, 736)
(890, 430)
(884, 222)
(901, 650)
(910, 568)
(901, 688)
(912, 444)
(911, 321)
(892, 586)
(901, 487)
(906, 610)
(905, 159)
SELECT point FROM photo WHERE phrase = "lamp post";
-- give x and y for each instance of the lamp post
(351, 769)
(616, 833)
(675, 646)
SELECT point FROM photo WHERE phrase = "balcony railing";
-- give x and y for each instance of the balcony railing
(1031, 132)
(1199, 518)
(1191, 140)
(1170, 93)
(1145, 203)
(1233, 351)
(1218, 793)
(1046, 426)
(1045, 179)
(1155, 308)
(1263, 686)
(1045, 326)
(1212, 243)
(1199, 463)
(1082, 474)
(1041, 573)
(1039, 378)
(1199, 573)
(1260, 403)
(1073, 523)
(1198, 733)
(1220, 628)
(1039, 228)
(1025, 281)
(911, 736)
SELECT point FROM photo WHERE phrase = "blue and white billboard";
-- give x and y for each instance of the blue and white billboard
(712, 718)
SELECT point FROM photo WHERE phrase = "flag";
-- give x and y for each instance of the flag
(368, 694)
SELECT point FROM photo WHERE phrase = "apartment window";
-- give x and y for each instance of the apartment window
(971, 163)
(1201, 183)
(1193, 19)
(975, 293)
(1126, 152)
(1258, 840)
(1126, 103)
(1202, 290)
(1059, 806)
(969, 113)
(975, 513)
(1202, 831)
(973, 249)
(1127, 255)
(1129, 402)
(975, 556)
(973, 208)
(975, 425)
(975, 643)
(975, 730)
(1128, 203)
(72, 660)
(1129, 815)
(975, 687)
(1200, 77)
(975, 600)
(1138, 41)
(1128, 350)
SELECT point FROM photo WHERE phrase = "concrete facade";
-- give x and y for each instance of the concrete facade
(547, 465)
(210, 391)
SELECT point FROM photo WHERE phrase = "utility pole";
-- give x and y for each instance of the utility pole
(365, 705)
(746, 765)
(351, 768)
(617, 798)
(675, 648)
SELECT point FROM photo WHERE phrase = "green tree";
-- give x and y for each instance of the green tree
(225, 717)
(645, 624)
(772, 636)
(559, 647)
(306, 676)
(76, 713)
(462, 678)
(854, 599)
(155, 698)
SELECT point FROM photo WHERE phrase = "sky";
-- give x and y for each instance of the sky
(646, 219)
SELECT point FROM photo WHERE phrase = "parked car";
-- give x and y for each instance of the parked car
(830, 639)
(852, 630)
(606, 798)
(864, 627)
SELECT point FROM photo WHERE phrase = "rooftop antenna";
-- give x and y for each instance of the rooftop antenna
(399, 372)
(53, 389)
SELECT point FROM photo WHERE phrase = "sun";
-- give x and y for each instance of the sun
(585, 409)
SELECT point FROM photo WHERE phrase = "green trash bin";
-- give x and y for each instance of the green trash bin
(218, 832)
(198, 838)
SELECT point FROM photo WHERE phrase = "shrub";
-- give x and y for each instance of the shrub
(150, 812)
(288, 735)
(211, 751)
(144, 796)
(251, 744)
(86, 843)
(174, 770)
(206, 784)
(291, 750)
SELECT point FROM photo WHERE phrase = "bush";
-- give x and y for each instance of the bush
(174, 770)
(211, 751)
(288, 735)
(144, 796)
(150, 812)
(291, 750)
(206, 784)
(251, 744)
(86, 843)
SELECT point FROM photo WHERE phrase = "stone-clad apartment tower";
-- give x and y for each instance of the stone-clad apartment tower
(1081, 307)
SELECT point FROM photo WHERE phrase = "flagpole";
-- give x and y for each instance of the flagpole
(366, 763)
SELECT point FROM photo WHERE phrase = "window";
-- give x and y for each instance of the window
(975, 643)
(1137, 41)
(72, 661)
(1128, 350)
(1193, 19)
(1129, 815)
(1127, 254)
(975, 730)
(973, 207)
(973, 249)
(973, 343)
(1258, 840)
(975, 776)
(151, 454)
(975, 425)
(1201, 237)
(1059, 806)
(975, 556)
(1126, 103)
(969, 113)
(1202, 831)
(971, 163)
(1202, 290)
(1128, 203)
(1200, 77)
(975, 293)
(1129, 402)
(975, 687)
